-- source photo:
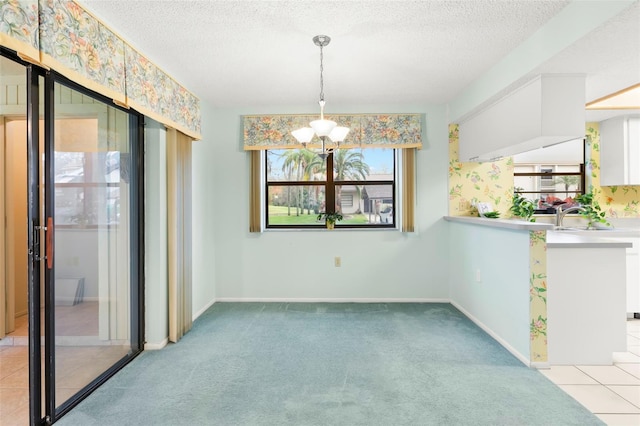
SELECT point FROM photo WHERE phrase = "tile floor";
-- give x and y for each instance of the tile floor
(76, 366)
(610, 392)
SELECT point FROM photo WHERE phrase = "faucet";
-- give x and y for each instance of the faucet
(560, 213)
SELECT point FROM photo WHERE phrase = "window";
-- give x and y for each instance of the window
(549, 185)
(362, 187)
(87, 186)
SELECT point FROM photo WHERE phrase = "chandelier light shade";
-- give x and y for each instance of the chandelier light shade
(303, 135)
(322, 128)
(338, 134)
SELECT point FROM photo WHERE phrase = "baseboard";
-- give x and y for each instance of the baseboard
(148, 346)
(328, 300)
(541, 365)
(202, 311)
(525, 360)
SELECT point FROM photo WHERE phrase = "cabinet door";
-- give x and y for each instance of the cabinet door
(620, 151)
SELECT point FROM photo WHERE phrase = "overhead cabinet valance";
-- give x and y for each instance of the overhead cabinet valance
(543, 112)
(263, 132)
(61, 35)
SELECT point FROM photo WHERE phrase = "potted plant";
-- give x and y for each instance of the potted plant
(330, 218)
(591, 211)
(522, 207)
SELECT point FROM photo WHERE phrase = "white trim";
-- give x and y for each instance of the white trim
(202, 311)
(156, 346)
(541, 365)
(525, 360)
(328, 300)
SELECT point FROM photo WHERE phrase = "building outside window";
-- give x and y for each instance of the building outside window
(362, 187)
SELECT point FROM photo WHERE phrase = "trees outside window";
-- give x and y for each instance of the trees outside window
(361, 187)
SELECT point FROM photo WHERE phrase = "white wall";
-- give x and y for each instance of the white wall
(489, 277)
(300, 264)
(205, 172)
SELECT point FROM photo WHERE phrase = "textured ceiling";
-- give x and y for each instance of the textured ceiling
(260, 53)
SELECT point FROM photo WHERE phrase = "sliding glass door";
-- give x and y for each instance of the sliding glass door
(78, 159)
(91, 299)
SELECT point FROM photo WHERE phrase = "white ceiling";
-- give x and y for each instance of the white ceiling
(260, 53)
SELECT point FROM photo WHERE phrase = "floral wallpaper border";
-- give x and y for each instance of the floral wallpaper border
(538, 295)
(263, 132)
(77, 44)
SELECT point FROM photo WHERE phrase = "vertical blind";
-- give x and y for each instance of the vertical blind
(179, 221)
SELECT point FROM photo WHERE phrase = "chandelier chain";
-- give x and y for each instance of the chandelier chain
(321, 77)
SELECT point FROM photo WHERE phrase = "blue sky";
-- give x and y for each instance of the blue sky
(379, 160)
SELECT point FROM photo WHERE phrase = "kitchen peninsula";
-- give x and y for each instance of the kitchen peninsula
(586, 298)
(549, 298)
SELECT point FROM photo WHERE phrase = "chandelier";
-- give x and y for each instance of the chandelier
(322, 128)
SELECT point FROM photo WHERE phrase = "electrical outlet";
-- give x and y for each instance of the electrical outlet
(337, 261)
(478, 276)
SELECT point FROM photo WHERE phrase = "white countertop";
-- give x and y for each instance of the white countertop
(573, 238)
(501, 223)
(567, 239)
(609, 233)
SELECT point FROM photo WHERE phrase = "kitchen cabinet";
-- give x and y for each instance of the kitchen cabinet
(632, 270)
(543, 112)
(620, 151)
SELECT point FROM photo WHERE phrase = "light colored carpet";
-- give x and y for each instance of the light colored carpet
(330, 364)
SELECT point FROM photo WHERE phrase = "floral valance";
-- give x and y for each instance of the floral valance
(19, 27)
(78, 45)
(155, 94)
(367, 131)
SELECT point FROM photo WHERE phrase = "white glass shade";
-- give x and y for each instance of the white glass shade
(303, 135)
(323, 127)
(338, 134)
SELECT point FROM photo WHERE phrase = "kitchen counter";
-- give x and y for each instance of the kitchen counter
(567, 239)
(559, 304)
(501, 223)
(626, 235)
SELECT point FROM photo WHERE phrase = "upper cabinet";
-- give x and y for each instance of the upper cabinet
(620, 151)
(546, 111)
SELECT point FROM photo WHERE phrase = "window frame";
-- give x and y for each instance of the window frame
(551, 175)
(87, 186)
(330, 185)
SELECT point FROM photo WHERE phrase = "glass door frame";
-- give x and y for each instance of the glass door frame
(136, 135)
(41, 238)
(33, 244)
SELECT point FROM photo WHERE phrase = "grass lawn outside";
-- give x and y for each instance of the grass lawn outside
(278, 216)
